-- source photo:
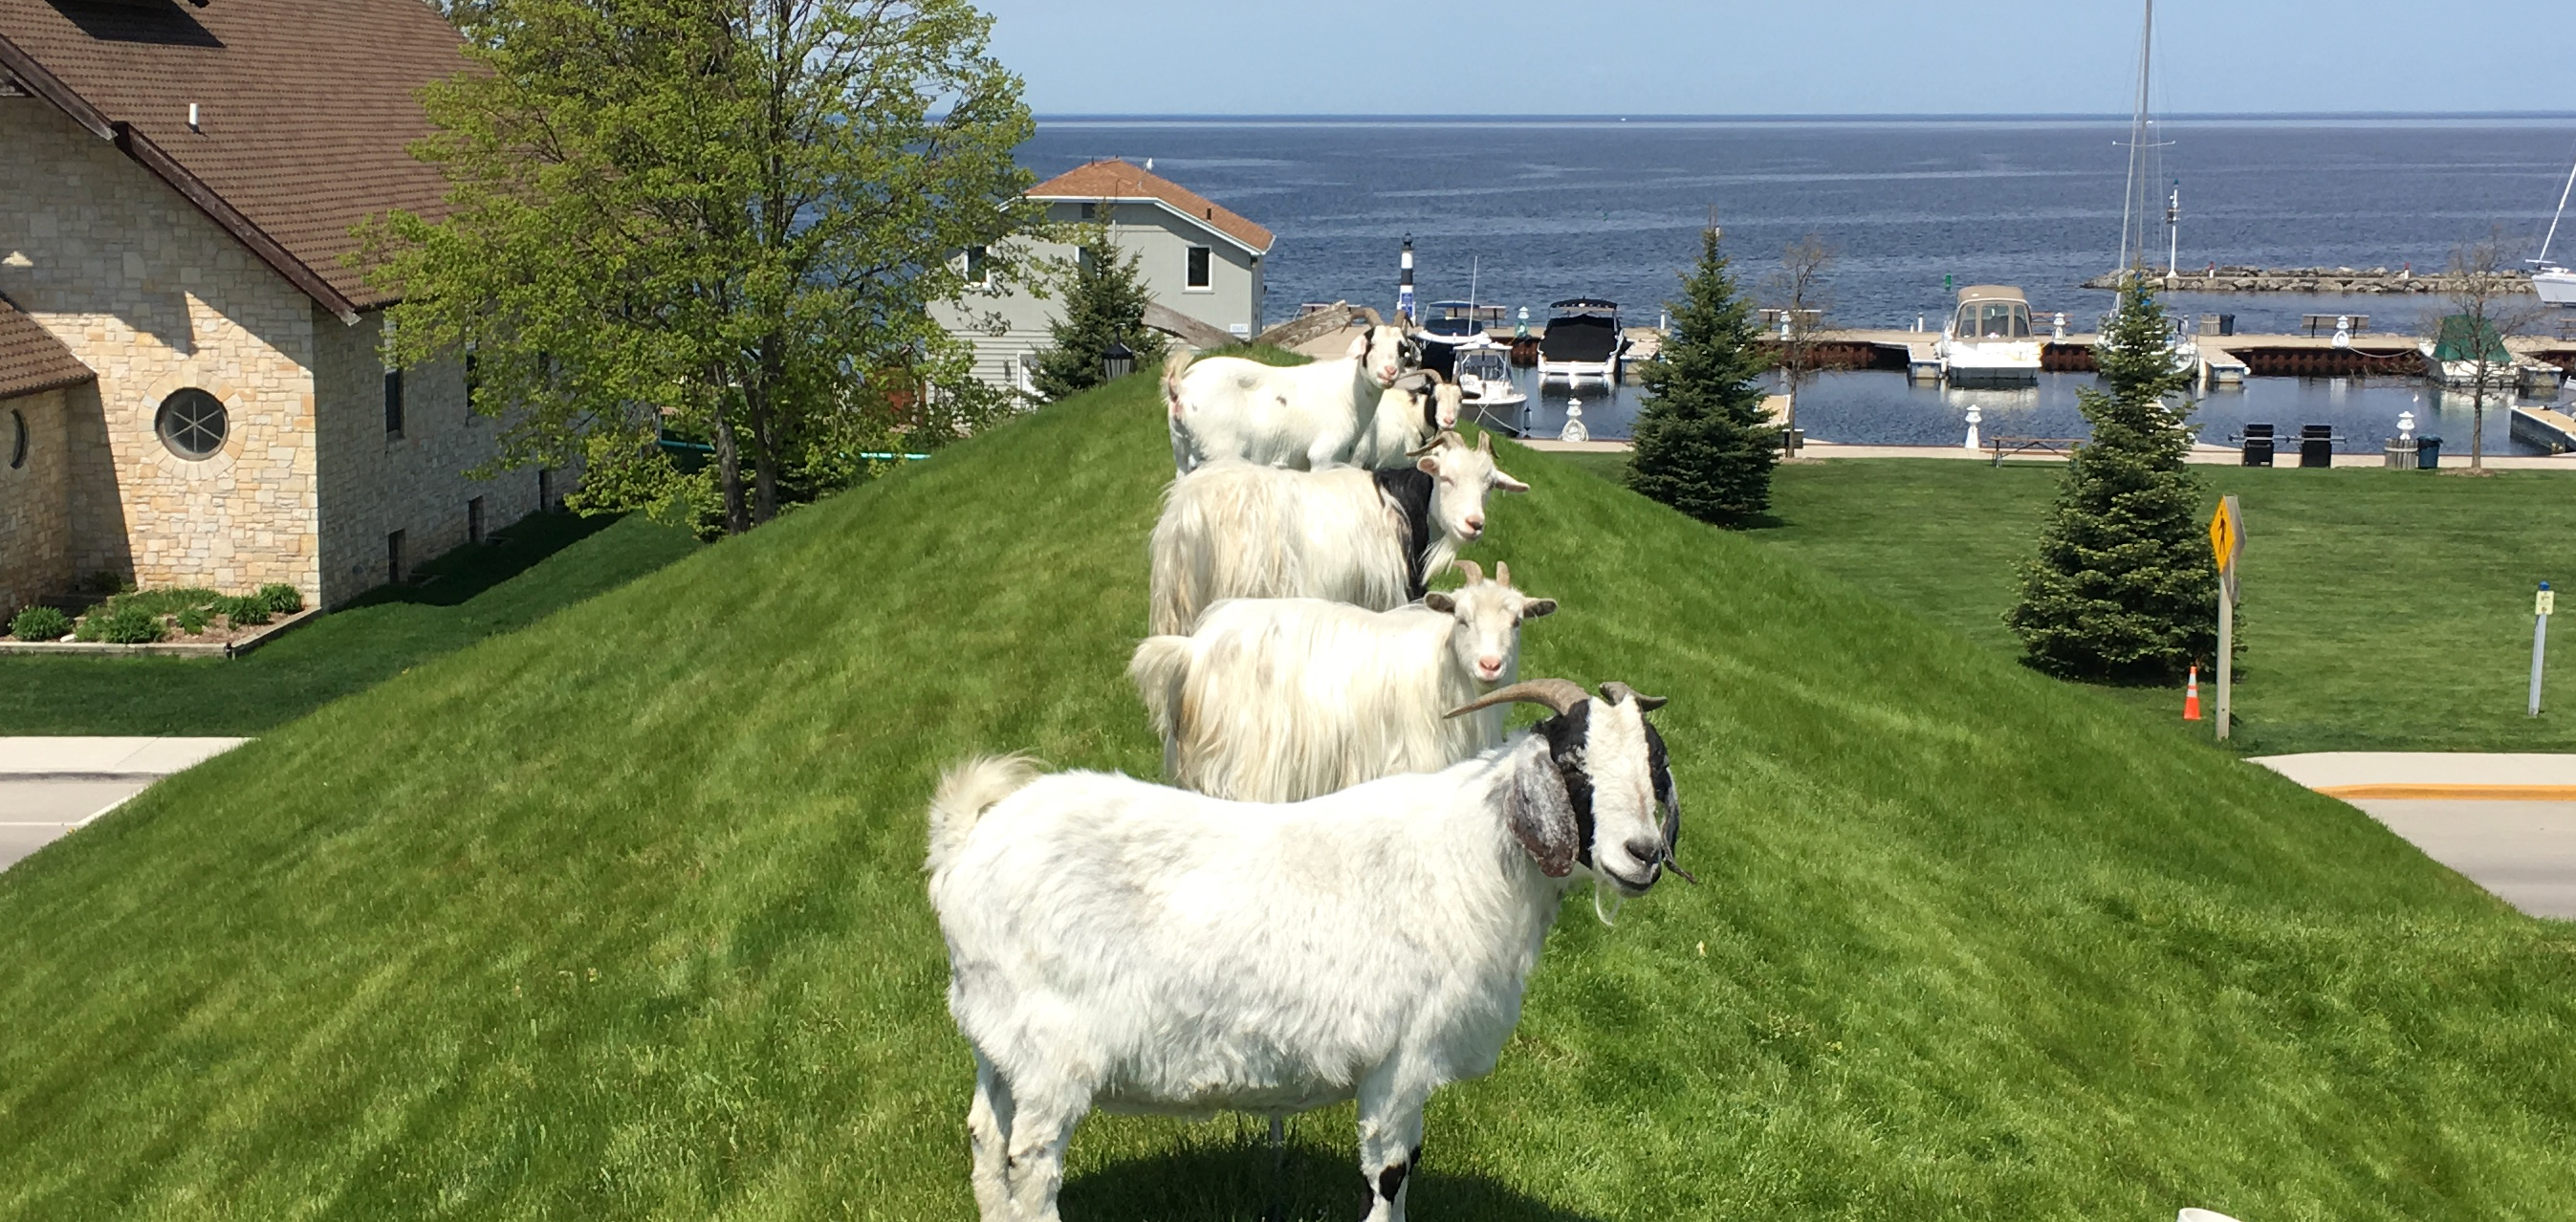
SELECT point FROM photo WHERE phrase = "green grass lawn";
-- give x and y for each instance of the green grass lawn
(621, 916)
(530, 570)
(2384, 610)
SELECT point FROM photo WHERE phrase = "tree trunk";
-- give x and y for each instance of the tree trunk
(764, 457)
(2478, 422)
(729, 474)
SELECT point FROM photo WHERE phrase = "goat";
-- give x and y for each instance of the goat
(1129, 947)
(1369, 538)
(1302, 416)
(1284, 699)
(1410, 415)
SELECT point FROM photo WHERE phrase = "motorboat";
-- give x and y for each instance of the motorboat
(1455, 327)
(1583, 341)
(1487, 395)
(1988, 338)
(2467, 352)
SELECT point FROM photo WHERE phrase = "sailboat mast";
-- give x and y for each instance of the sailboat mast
(2553, 220)
(2134, 206)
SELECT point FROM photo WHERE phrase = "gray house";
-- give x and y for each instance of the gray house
(1201, 263)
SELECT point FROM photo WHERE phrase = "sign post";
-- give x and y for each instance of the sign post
(2226, 542)
(2540, 609)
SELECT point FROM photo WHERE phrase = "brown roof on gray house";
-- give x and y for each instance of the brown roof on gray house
(1115, 179)
(305, 111)
(31, 359)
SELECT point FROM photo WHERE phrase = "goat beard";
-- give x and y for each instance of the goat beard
(1610, 917)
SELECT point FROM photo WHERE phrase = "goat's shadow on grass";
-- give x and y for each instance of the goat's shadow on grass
(1229, 1177)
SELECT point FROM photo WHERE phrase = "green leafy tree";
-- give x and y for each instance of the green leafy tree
(1104, 302)
(724, 220)
(1703, 444)
(2123, 590)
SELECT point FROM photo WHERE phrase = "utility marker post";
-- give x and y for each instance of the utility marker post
(2540, 609)
(2226, 542)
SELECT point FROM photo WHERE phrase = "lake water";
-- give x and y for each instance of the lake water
(1536, 211)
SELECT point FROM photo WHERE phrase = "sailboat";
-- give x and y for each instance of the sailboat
(2556, 285)
(2138, 209)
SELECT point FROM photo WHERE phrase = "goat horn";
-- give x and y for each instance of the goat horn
(1427, 448)
(1561, 695)
(1475, 573)
(1614, 691)
(1484, 442)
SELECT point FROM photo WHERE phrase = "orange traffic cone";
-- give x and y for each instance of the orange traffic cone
(2191, 697)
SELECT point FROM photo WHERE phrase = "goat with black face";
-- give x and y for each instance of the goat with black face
(1120, 945)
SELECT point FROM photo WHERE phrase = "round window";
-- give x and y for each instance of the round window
(17, 440)
(191, 423)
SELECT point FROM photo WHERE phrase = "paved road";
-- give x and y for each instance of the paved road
(52, 786)
(2506, 821)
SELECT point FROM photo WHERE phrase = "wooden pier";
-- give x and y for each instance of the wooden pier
(2225, 359)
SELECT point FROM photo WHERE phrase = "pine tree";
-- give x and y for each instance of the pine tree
(2123, 590)
(1703, 444)
(1104, 301)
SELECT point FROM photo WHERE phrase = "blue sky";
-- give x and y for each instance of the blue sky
(1785, 57)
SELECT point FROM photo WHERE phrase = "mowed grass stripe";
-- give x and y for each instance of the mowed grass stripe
(620, 916)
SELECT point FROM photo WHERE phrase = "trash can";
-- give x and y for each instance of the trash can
(2227, 324)
(2258, 445)
(2428, 452)
(2316, 445)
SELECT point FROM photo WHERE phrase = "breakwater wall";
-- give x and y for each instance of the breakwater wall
(2319, 281)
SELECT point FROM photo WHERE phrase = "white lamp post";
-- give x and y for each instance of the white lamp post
(1574, 430)
(1975, 417)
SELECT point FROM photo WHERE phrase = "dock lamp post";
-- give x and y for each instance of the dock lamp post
(1116, 361)
(2540, 609)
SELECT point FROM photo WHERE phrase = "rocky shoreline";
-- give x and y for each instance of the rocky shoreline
(2321, 281)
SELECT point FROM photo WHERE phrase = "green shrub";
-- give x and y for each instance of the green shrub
(123, 625)
(40, 624)
(281, 598)
(192, 621)
(162, 602)
(245, 611)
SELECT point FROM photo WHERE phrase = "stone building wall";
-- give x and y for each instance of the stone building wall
(154, 297)
(376, 482)
(35, 502)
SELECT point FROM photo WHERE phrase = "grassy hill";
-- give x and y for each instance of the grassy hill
(620, 916)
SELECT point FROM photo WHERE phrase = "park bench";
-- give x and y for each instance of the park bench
(2324, 324)
(2004, 447)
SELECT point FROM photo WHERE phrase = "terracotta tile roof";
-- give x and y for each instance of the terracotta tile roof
(1115, 179)
(305, 109)
(31, 359)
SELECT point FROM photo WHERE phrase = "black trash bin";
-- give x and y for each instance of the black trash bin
(2227, 324)
(2428, 452)
(2258, 445)
(2316, 445)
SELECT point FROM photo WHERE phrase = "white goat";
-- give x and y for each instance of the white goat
(1284, 699)
(1302, 416)
(1410, 415)
(1370, 538)
(1135, 948)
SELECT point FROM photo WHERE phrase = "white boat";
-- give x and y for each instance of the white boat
(1988, 339)
(2453, 359)
(2555, 285)
(1489, 399)
(1583, 341)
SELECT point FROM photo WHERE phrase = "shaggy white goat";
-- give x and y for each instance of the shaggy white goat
(1370, 538)
(1410, 415)
(1283, 699)
(1135, 948)
(1303, 416)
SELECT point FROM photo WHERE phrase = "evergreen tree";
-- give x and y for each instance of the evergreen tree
(2123, 590)
(1104, 301)
(1703, 444)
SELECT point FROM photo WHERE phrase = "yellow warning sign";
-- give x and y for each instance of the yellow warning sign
(2226, 534)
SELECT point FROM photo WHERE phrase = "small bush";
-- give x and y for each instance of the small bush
(192, 621)
(245, 611)
(162, 602)
(281, 598)
(126, 625)
(40, 624)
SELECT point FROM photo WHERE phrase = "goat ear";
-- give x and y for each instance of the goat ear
(1540, 811)
(1538, 607)
(1440, 602)
(1360, 345)
(1504, 481)
(1427, 465)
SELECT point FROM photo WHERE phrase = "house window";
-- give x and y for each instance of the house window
(394, 558)
(474, 520)
(545, 489)
(17, 440)
(1091, 212)
(1198, 267)
(393, 405)
(976, 271)
(191, 423)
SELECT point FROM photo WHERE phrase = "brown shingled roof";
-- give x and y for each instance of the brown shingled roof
(306, 110)
(31, 359)
(1115, 179)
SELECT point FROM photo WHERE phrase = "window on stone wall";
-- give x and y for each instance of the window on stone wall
(394, 558)
(393, 405)
(474, 520)
(545, 490)
(17, 440)
(191, 423)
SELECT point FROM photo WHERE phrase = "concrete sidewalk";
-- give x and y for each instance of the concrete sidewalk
(51, 786)
(2506, 821)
